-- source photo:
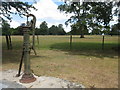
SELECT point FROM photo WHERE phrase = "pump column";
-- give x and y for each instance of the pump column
(27, 76)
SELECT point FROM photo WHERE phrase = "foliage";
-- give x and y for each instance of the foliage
(16, 31)
(78, 16)
(102, 11)
(7, 33)
(117, 10)
(56, 30)
(61, 30)
(53, 30)
(5, 28)
(115, 29)
(88, 14)
(43, 30)
(75, 29)
(19, 8)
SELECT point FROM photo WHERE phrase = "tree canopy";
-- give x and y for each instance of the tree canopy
(115, 29)
(20, 8)
(53, 30)
(88, 14)
(57, 30)
(5, 28)
(43, 28)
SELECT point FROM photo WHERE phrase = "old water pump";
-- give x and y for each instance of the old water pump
(27, 77)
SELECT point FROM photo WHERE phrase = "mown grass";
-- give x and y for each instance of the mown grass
(85, 63)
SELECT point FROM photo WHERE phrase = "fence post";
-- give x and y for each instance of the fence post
(71, 41)
(103, 43)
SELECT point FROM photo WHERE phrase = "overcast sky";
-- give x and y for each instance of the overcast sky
(47, 11)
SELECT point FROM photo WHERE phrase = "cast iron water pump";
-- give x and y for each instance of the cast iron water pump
(27, 76)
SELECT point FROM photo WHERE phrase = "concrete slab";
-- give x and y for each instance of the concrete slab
(10, 84)
(41, 82)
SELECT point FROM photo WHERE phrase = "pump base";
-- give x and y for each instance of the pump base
(27, 78)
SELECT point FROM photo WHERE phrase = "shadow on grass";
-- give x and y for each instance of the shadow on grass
(78, 48)
(11, 56)
(37, 56)
(14, 55)
(88, 49)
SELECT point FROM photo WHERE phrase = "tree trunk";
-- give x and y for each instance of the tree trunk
(10, 42)
(82, 30)
(82, 36)
(82, 33)
(7, 42)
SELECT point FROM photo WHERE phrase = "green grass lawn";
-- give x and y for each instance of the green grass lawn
(85, 63)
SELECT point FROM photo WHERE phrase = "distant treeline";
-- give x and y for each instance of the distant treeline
(59, 30)
(114, 30)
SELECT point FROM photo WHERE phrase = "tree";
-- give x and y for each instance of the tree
(16, 31)
(96, 32)
(5, 27)
(6, 32)
(88, 14)
(115, 30)
(75, 29)
(14, 7)
(116, 27)
(57, 30)
(79, 15)
(19, 7)
(96, 29)
(103, 14)
(37, 31)
(43, 28)
(53, 30)
(117, 11)
(61, 30)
